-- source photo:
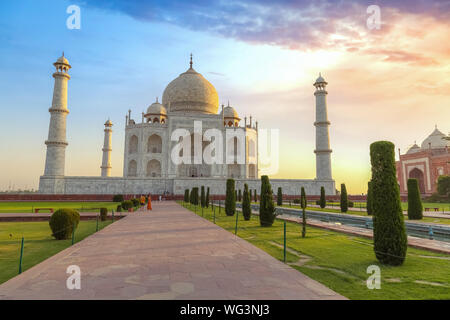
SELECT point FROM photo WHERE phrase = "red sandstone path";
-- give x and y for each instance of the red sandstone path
(167, 253)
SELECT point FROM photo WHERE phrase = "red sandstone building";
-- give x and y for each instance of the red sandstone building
(425, 163)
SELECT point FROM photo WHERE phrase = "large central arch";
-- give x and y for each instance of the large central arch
(418, 174)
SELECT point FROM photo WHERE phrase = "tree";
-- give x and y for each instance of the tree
(323, 200)
(191, 196)
(266, 205)
(344, 199)
(207, 198)
(186, 195)
(194, 196)
(279, 197)
(230, 198)
(303, 205)
(415, 208)
(240, 195)
(443, 186)
(246, 206)
(255, 197)
(389, 235)
(202, 197)
(369, 199)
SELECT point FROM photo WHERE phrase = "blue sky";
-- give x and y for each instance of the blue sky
(262, 56)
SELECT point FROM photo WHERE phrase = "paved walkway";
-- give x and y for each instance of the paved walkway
(168, 253)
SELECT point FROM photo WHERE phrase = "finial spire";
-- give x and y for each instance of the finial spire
(63, 53)
(190, 63)
(157, 100)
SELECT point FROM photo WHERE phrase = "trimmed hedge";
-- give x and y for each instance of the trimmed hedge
(255, 198)
(443, 185)
(323, 200)
(246, 207)
(344, 198)
(239, 195)
(303, 204)
(230, 198)
(118, 198)
(194, 196)
(369, 199)
(127, 204)
(62, 223)
(266, 205)
(186, 195)
(415, 208)
(389, 235)
(207, 198)
(203, 197)
(279, 197)
(103, 214)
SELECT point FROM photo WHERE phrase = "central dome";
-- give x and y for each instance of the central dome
(191, 92)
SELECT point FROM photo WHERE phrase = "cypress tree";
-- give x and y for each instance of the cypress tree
(207, 198)
(240, 195)
(186, 195)
(344, 198)
(279, 197)
(369, 198)
(266, 205)
(202, 197)
(255, 196)
(389, 235)
(323, 200)
(303, 205)
(246, 207)
(235, 194)
(191, 197)
(230, 198)
(415, 207)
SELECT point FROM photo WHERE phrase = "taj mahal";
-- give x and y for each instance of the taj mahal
(187, 101)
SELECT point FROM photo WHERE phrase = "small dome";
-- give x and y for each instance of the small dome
(156, 108)
(108, 123)
(437, 140)
(320, 79)
(414, 148)
(229, 112)
(62, 60)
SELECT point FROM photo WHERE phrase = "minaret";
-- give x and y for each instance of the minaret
(107, 148)
(323, 151)
(56, 143)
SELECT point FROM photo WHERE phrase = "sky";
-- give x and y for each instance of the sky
(391, 83)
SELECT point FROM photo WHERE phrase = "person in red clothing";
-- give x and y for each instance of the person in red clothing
(149, 203)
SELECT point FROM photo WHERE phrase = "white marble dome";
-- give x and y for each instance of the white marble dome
(414, 148)
(191, 92)
(156, 108)
(230, 112)
(436, 138)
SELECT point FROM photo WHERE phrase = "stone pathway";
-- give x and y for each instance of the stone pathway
(168, 253)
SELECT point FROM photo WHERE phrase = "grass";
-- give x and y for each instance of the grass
(340, 261)
(28, 206)
(38, 245)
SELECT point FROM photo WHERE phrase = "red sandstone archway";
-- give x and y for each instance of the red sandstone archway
(418, 174)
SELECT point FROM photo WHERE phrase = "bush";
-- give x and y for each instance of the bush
(239, 195)
(279, 197)
(266, 206)
(297, 201)
(135, 202)
(186, 195)
(246, 207)
(127, 204)
(369, 199)
(323, 200)
(103, 214)
(303, 204)
(203, 197)
(118, 198)
(230, 198)
(344, 199)
(351, 204)
(443, 185)
(207, 198)
(62, 223)
(119, 208)
(415, 208)
(390, 241)
(194, 196)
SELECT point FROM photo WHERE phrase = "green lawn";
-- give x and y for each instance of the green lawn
(340, 261)
(25, 206)
(38, 245)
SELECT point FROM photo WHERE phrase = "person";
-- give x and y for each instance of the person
(159, 198)
(149, 203)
